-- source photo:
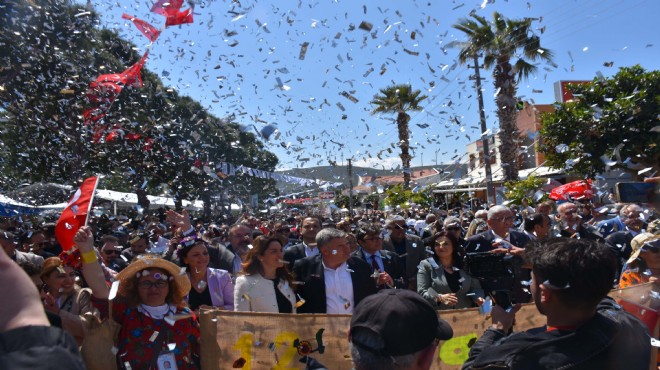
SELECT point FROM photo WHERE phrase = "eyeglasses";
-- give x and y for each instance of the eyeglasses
(149, 284)
(570, 211)
(453, 228)
(285, 230)
(109, 252)
(505, 219)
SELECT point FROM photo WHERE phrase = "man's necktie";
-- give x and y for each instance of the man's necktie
(374, 264)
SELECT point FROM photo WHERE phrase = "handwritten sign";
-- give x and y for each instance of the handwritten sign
(250, 341)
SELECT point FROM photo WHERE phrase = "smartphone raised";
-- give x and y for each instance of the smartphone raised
(637, 192)
(502, 298)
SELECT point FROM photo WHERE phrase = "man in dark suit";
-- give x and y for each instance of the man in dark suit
(409, 248)
(619, 242)
(384, 264)
(309, 227)
(498, 239)
(332, 282)
(570, 224)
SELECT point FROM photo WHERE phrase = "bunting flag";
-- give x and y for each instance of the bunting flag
(171, 10)
(228, 169)
(104, 90)
(573, 191)
(147, 29)
(75, 214)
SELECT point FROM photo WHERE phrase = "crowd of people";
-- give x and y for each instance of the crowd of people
(565, 258)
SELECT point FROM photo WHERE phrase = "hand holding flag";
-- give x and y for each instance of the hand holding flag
(74, 215)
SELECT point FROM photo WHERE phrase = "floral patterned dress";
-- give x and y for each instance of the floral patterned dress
(137, 339)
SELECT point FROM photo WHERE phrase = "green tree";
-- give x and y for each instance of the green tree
(397, 195)
(342, 201)
(521, 189)
(373, 199)
(400, 99)
(613, 123)
(50, 54)
(423, 198)
(499, 42)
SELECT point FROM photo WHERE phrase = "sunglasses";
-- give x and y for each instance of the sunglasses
(109, 252)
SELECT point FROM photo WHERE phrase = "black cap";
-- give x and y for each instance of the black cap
(405, 322)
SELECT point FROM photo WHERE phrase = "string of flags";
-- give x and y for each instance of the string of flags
(229, 169)
(103, 91)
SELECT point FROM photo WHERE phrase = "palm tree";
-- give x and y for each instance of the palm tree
(499, 42)
(400, 99)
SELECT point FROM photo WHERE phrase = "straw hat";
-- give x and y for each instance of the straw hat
(637, 244)
(180, 282)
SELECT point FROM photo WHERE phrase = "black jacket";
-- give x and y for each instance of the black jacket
(611, 340)
(483, 242)
(390, 263)
(309, 270)
(37, 348)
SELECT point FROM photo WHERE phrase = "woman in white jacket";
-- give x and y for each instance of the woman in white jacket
(266, 283)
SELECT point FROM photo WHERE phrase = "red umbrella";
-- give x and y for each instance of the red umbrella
(573, 190)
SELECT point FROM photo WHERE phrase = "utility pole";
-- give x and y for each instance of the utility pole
(490, 189)
(350, 187)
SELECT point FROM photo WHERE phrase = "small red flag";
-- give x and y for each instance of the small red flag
(182, 17)
(143, 26)
(166, 7)
(74, 215)
(132, 75)
(170, 9)
(575, 190)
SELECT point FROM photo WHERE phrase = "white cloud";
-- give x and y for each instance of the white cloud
(386, 163)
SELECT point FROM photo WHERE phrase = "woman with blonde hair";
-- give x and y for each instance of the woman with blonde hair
(64, 297)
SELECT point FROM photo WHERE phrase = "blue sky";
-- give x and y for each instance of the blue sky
(243, 58)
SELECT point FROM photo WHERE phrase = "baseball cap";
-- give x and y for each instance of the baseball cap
(405, 322)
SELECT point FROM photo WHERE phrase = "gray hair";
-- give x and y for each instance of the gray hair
(628, 208)
(325, 236)
(451, 220)
(495, 210)
(561, 207)
(364, 359)
(394, 218)
(482, 213)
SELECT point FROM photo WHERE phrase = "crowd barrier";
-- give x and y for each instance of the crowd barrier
(252, 341)
(249, 341)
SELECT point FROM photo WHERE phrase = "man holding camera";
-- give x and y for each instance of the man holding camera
(507, 246)
(584, 330)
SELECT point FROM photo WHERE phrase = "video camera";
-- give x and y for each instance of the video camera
(497, 273)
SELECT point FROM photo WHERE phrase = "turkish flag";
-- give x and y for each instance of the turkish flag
(182, 17)
(171, 10)
(147, 29)
(575, 190)
(74, 215)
